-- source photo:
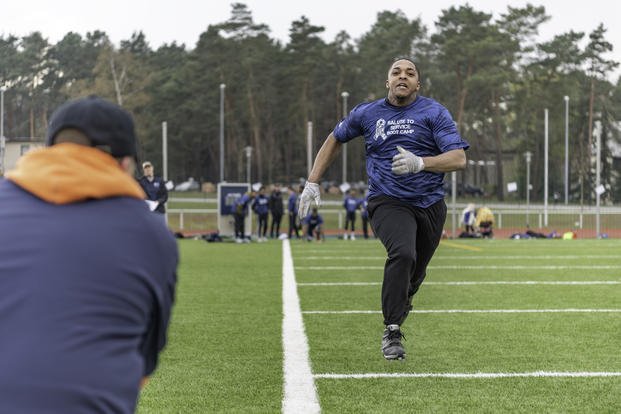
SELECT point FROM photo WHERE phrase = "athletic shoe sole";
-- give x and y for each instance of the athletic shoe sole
(394, 357)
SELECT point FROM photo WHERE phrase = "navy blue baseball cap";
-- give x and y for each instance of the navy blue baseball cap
(108, 126)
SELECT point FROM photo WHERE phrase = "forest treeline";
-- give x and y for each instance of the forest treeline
(493, 74)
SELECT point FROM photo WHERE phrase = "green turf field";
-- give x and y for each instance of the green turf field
(500, 326)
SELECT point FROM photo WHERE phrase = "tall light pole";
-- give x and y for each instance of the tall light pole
(309, 147)
(344, 95)
(248, 151)
(222, 86)
(528, 156)
(598, 182)
(165, 150)
(2, 139)
(566, 149)
(545, 171)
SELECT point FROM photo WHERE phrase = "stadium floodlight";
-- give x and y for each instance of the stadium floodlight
(344, 95)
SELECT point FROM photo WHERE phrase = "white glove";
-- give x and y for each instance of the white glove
(405, 162)
(310, 193)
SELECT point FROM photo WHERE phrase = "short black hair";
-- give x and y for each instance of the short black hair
(409, 59)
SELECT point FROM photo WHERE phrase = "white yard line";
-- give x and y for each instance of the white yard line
(470, 257)
(300, 394)
(569, 310)
(473, 375)
(469, 267)
(474, 282)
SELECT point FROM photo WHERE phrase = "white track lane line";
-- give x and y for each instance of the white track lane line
(300, 394)
(474, 375)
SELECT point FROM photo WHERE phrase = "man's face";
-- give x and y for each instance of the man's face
(402, 79)
(148, 170)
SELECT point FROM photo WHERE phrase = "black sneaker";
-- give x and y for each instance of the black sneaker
(391, 343)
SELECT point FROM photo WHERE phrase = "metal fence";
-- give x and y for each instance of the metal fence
(585, 221)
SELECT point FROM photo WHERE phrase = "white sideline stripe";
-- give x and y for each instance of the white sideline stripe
(570, 310)
(300, 394)
(458, 267)
(482, 282)
(473, 375)
(471, 257)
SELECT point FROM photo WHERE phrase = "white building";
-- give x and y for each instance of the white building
(16, 147)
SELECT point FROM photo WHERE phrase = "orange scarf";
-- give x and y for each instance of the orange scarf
(66, 173)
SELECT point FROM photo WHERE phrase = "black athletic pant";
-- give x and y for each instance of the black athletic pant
(350, 217)
(261, 225)
(365, 226)
(293, 225)
(239, 225)
(313, 231)
(410, 235)
(275, 227)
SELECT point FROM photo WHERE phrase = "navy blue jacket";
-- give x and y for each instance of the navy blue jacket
(275, 204)
(156, 191)
(84, 302)
(260, 205)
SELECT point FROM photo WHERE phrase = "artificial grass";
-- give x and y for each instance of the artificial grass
(225, 351)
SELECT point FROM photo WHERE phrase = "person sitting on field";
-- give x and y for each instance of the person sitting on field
(485, 222)
(313, 223)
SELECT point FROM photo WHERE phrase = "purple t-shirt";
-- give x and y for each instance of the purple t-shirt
(424, 128)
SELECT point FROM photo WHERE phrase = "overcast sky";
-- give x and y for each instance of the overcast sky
(165, 21)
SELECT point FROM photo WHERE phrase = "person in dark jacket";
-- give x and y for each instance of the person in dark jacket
(276, 210)
(350, 204)
(292, 209)
(154, 187)
(261, 208)
(240, 211)
(87, 272)
(364, 215)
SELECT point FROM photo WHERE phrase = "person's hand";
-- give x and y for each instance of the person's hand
(405, 162)
(310, 193)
